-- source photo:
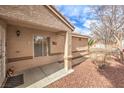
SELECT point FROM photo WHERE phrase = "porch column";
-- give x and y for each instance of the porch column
(2, 51)
(68, 51)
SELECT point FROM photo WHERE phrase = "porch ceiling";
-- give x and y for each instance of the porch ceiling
(28, 24)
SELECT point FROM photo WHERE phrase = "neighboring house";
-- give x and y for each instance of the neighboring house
(98, 45)
(102, 45)
(79, 42)
(32, 36)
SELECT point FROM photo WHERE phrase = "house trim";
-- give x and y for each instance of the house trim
(19, 58)
(79, 35)
(9, 60)
(73, 58)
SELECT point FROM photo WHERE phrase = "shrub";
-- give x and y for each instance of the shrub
(100, 58)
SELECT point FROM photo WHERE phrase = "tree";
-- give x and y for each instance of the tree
(110, 25)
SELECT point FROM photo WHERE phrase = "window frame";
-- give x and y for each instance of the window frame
(47, 46)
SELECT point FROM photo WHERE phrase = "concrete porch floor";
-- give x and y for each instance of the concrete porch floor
(34, 75)
(47, 74)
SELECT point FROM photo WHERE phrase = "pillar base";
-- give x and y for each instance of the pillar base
(68, 63)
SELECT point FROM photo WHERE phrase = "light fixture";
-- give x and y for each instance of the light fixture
(18, 33)
(54, 43)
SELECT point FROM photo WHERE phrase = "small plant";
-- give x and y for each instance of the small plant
(10, 71)
(100, 59)
(90, 43)
(102, 66)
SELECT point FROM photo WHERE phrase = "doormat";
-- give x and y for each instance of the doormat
(14, 81)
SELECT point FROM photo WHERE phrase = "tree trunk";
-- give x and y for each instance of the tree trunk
(120, 49)
(121, 56)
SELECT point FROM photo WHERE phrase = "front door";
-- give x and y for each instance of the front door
(2, 55)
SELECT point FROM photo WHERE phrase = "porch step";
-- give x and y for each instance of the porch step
(50, 79)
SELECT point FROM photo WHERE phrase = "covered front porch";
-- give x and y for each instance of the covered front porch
(22, 52)
(31, 68)
(42, 76)
(19, 42)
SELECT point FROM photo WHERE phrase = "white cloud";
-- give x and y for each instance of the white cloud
(73, 22)
(78, 30)
(88, 23)
(82, 31)
(86, 9)
(86, 32)
(73, 10)
(79, 15)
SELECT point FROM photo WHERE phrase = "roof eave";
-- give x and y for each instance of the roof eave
(61, 17)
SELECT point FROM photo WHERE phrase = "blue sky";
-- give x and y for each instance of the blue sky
(79, 15)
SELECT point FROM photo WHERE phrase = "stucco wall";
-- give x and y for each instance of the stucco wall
(79, 44)
(60, 44)
(23, 46)
(32, 63)
(36, 14)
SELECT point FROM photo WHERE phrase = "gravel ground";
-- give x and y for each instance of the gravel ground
(86, 75)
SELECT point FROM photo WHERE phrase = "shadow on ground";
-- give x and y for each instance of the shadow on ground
(77, 62)
(115, 74)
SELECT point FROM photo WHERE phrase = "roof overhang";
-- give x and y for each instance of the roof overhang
(60, 16)
(79, 35)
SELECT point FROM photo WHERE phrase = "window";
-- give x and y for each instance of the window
(41, 46)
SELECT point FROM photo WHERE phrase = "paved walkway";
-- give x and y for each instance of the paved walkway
(86, 75)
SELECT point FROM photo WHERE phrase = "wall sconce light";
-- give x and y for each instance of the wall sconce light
(54, 43)
(18, 33)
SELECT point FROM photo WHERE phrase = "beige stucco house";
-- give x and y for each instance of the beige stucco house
(32, 36)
